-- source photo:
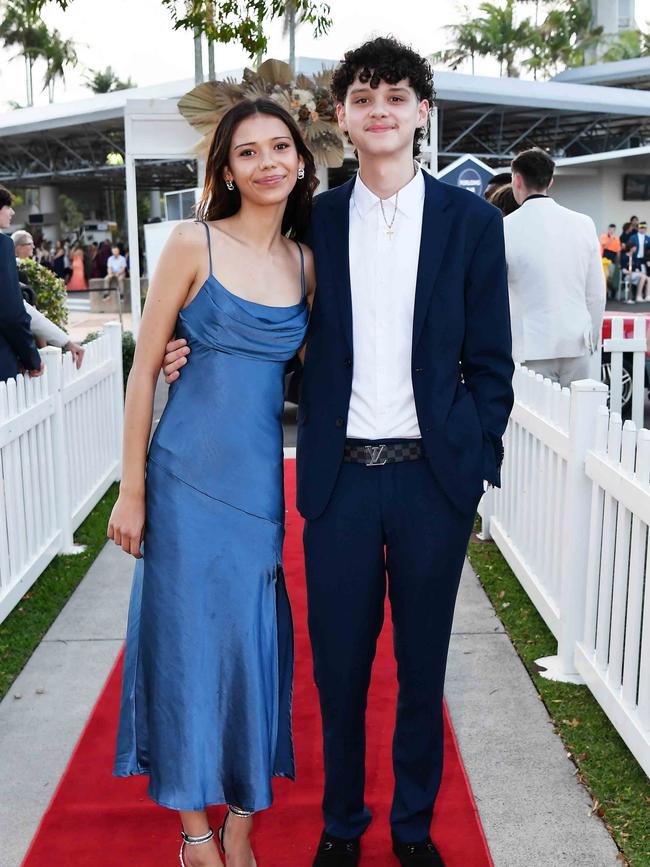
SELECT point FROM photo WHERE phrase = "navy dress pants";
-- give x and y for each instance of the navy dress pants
(385, 522)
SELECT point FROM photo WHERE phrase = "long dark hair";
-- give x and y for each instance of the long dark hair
(218, 202)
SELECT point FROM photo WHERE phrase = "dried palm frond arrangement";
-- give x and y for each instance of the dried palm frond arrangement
(307, 98)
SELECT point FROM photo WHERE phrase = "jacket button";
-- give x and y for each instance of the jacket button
(419, 370)
(339, 422)
(348, 362)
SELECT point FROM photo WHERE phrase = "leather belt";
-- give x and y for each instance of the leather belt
(378, 454)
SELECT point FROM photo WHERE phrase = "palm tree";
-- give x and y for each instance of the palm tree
(627, 45)
(501, 37)
(106, 80)
(465, 41)
(21, 27)
(212, 72)
(289, 27)
(58, 54)
(569, 33)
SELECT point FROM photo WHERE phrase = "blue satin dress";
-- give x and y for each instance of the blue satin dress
(208, 668)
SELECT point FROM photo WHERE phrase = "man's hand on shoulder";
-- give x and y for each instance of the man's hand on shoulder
(176, 354)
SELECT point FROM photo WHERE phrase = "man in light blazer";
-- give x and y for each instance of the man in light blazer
(555, 276)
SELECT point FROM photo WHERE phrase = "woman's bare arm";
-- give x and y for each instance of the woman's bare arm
(168, 291)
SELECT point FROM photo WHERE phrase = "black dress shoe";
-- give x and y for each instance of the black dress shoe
(417, 854)
(337, 852)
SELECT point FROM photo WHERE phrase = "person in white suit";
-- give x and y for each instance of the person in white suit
(555, 276)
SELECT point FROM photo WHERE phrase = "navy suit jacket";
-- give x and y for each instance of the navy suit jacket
(461, 359)
(17, 346)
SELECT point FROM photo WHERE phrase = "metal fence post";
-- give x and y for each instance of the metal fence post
(587, 396)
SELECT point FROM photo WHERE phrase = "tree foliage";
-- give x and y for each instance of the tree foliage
(106, 80)
(242, 21)
(21, 27)
(560, 35)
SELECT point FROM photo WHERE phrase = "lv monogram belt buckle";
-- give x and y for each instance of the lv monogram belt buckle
(375, 456)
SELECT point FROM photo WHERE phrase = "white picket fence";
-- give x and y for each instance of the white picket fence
(571, 519)
(60, 450)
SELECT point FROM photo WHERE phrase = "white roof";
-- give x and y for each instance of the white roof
(107, 106)
(454, 87)
(543, 95)
(619, 70)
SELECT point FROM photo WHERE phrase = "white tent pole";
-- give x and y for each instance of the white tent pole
(134, 247)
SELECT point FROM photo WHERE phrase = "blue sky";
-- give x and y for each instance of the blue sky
(135, 37)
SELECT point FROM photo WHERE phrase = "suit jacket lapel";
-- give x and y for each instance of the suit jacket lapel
(338, 233)
(436, 228)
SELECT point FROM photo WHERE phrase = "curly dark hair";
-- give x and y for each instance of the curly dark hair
(386, 59)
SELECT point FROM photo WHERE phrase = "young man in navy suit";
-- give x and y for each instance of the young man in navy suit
(405, 396)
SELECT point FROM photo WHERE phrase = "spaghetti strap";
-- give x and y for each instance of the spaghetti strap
(207, 230)
(302, 272)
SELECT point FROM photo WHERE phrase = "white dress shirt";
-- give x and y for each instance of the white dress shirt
(383, 275)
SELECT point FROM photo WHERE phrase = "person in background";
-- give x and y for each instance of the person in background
(610, 251)
(624, 238)
(17, 347)
(504, 199)
(43, 329)
(77, 281)
(640, 246)
(115, 270)
(496, 182)
(23, 244)
(58, 260)
(610, 245)
(555, 276)
(103, 255)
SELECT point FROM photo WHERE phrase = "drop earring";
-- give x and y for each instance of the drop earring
(301, 174)
(230, 185)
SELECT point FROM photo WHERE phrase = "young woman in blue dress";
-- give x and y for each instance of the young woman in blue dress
(206, 696)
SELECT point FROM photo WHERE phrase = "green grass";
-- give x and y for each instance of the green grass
(619, 788)
(22, 630)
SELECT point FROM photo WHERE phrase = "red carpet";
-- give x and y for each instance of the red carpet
(95, 820)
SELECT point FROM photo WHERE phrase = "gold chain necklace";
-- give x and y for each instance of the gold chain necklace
(389, 226)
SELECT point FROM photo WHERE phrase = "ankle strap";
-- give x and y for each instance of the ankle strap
(237, 811)
(196, 841)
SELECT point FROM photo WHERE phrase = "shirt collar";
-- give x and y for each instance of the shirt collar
(535, 196)
(409, 200)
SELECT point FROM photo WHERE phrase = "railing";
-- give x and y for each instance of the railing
(571, 519)
(60, 446)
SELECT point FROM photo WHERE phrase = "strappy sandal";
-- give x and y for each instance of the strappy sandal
(236, 811)
(193, 841)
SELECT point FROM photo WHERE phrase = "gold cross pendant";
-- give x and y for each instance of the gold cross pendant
(389, 232)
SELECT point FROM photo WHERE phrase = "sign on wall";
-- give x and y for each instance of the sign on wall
(468, 173)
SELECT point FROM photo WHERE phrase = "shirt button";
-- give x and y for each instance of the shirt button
(339, 422)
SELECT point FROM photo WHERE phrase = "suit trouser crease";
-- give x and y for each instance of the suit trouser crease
(392, 521)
